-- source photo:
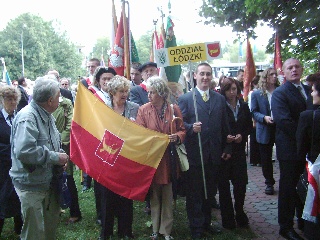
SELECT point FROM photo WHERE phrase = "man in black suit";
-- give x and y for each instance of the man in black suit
(287, 102)
(64, 92)
(22, 84)
(138, 94)
(214, 128)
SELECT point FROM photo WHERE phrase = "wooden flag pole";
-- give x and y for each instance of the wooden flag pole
(126, 40)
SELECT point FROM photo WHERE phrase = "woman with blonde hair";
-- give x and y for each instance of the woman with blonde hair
(113, 204)
(265, 127)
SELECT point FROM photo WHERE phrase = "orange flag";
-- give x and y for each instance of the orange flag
(116, 152)
(277, 61)
(249, 71)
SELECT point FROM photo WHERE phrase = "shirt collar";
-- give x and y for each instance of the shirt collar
(201, 92)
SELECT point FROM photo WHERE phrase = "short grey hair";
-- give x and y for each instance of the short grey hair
(159, 85)
(116, 83)
(45, 88)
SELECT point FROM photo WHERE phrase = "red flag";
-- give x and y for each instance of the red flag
(249, 71)
(116, 59)
(116, 152)
(277, 62)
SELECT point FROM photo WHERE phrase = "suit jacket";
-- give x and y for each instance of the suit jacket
(138, 95)
(67, 94)
(242, 126)
(24, 98)
(214, 128)
(308, 128)
(130, 110)
(260, 108)
(287, 103)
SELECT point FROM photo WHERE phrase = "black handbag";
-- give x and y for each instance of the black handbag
(302, 186)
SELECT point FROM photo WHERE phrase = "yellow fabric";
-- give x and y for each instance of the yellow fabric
(140, 144)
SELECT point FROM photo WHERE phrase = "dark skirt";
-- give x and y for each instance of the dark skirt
(9, 200)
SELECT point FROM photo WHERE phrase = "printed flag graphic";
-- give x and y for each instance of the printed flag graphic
(112, 149)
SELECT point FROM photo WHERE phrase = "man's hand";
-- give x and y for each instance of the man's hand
(63, 159)
(230, 139)
(197, 127)
(268, 119)
(238, 138)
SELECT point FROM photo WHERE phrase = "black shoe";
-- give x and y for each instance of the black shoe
(215, 204)
(269, 190)
(230, 225)
(242, 220)
(290, 234)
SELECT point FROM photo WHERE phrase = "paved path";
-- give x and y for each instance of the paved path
(262, 209)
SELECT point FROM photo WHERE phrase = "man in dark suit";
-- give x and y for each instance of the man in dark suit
(138, 94)
(287, 102)
(22, 84)
(64, 92)
(213, 126)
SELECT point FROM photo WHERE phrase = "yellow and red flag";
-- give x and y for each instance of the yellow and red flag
(249, 71)
(116, 152)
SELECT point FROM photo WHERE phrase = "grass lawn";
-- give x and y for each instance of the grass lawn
(87, 229)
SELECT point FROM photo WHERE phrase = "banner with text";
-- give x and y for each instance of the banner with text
(183, 54)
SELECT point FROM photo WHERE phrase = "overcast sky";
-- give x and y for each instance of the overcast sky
(85, 21)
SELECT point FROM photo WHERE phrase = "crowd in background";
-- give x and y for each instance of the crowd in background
(37, 118)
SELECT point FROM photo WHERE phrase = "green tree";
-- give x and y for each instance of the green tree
(102, 46)
(44, 48)
(294, 20)
(143, 45)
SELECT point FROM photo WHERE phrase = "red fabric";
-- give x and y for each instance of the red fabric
(277, 61)
(249, 71)
(116, 60)
(124, 177)
(143, 86)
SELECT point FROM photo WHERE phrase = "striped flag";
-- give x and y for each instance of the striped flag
(312, 205)
(115, 151)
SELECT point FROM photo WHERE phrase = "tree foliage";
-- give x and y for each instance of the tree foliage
(294, 20)
(230, 13)
(44, 48)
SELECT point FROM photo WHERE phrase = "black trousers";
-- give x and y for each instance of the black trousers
(198, 207)
(254, 148)
(74, 207)
(113, 205)
(97, 187)
(289, 200)
(234, 169)
(266, 161)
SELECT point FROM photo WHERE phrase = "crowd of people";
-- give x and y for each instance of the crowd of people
(216, 129)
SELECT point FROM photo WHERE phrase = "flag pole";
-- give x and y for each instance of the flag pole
(126, 39)
(199, 133)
